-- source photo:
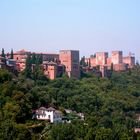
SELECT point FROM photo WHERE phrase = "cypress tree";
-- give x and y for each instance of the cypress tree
(40, 59)
(28, 69)
(3, 54)
(33, 58)
(12, 54)
(83, 63)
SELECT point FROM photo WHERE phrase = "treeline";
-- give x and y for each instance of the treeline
(110, 106)
(4, 55)
(33, 68)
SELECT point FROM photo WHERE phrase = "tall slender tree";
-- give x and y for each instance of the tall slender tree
(82, 62)
(3, 53)
(28, 69)
(12, 54)
(33, 58)
(4, 56)
(40, 58)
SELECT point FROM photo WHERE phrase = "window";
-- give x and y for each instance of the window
(49, 116)
(75, 66)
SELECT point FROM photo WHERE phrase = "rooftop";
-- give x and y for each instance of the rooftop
(42, 108)
(50, 109)
(69, 50)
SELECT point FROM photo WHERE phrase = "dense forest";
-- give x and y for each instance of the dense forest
(110, 106)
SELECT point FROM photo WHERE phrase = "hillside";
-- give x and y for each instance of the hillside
(110, 106)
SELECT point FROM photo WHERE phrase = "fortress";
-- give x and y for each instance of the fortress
(116, 59)
(68, 62)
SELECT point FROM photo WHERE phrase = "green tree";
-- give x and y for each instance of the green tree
(82, 62)
(12, 54)
(28, 68)
(7, 130)
(39, 59)
(5, 76)
(3, 56)
(103, 134)
(62, 132)
(3, 53)
(34, 58)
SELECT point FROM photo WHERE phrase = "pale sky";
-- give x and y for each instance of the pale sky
(86, 25)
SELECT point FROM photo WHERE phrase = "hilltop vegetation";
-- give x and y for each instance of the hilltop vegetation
(109, 105)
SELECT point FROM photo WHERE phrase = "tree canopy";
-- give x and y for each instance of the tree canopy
(110, 106)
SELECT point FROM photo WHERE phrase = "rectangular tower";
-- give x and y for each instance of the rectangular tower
(117, 57)
(70, 59)
(101, 58)
(130, 61)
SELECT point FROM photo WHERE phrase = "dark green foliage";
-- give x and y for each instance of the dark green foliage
(3, 53)
(109, 105)
(11, 131)
(34, 58)
(12, 54)
(28, 69)
(82, 62)
(33, 68)
(4, 76)
(58, 133)
(3, 56)
(40, 59)
(37, 59)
